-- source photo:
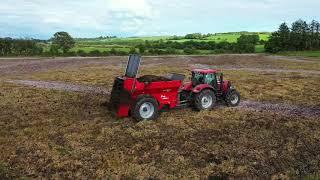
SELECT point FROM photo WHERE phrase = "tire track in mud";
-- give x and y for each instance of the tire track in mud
(207, 66)
(62, 86)
(279, 108)
(270, 70)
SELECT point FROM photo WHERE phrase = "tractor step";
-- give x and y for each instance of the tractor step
(183, 104)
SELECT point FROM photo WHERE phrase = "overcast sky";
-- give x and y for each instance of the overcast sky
(91, 18)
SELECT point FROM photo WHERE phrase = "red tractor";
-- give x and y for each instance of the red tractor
(145, 96)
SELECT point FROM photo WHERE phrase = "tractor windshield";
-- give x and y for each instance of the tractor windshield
(201, 78)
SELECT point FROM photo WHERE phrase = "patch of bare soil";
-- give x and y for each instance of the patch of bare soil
(252, 62)
(270, 70)
(277, 108)
(62, 86)
(254, 69)
(290, 58)
(280, 108)
(27, 66)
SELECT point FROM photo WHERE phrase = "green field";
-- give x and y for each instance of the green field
(218, 37)
(229, 37)
(234, 37)
(124, 44)
(150, 38)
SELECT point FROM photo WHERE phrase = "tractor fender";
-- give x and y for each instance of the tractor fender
(201, 87)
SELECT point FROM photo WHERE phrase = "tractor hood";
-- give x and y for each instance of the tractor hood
(133, 66)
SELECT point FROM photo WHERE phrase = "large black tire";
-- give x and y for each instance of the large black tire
(204, 100)
(143, 106)
(232, 98)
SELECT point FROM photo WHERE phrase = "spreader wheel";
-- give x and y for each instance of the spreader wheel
(232, 98)
(146, 108)
(205, 100)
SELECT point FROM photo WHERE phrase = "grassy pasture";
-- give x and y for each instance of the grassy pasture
(232, 37)
(132, 41)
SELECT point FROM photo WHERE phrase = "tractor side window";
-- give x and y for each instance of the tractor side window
(197, 78)
(209, 79)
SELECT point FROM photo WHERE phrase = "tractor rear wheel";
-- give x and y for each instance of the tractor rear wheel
(205, 100)
(146, 108)
(232, 98)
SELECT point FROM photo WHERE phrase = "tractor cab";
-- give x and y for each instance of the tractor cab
(206, 76)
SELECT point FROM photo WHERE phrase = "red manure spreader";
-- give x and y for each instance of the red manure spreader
(144, 97)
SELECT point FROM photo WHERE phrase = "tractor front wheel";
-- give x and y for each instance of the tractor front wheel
(205, 100)
(232, 98)
(146, 108)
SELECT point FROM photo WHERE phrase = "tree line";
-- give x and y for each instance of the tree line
(300, 36)
(245, 44)
(191, 36)
(20, 47)
(61, 43)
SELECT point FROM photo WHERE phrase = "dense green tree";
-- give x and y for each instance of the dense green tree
(193, 36)
(314, 28)
(63, 41)
(284, 37)
(133, 51)
(141, 48)
(5, 46)
(301, 36)
(273, 45)
(246, 43)
(20, 47)
(54, 50)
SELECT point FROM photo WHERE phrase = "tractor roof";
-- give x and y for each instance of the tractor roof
(205, 71)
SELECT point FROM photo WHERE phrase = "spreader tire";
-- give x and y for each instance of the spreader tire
(232, 98)
(146, 108)
(205, 100)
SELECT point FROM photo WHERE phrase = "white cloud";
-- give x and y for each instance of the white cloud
(147, 17)
(140, 8)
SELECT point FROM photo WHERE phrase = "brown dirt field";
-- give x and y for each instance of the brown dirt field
(54, 123)
(249, 105)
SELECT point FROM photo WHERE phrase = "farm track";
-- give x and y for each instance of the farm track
(280, 108)
(14, 66)
(270, 70)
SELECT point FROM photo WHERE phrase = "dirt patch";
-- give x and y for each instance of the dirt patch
(252, 62)
(27, 66)
(291, 58)
(62, 86)
(270, 70)
(280, 108)
(253, 69)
